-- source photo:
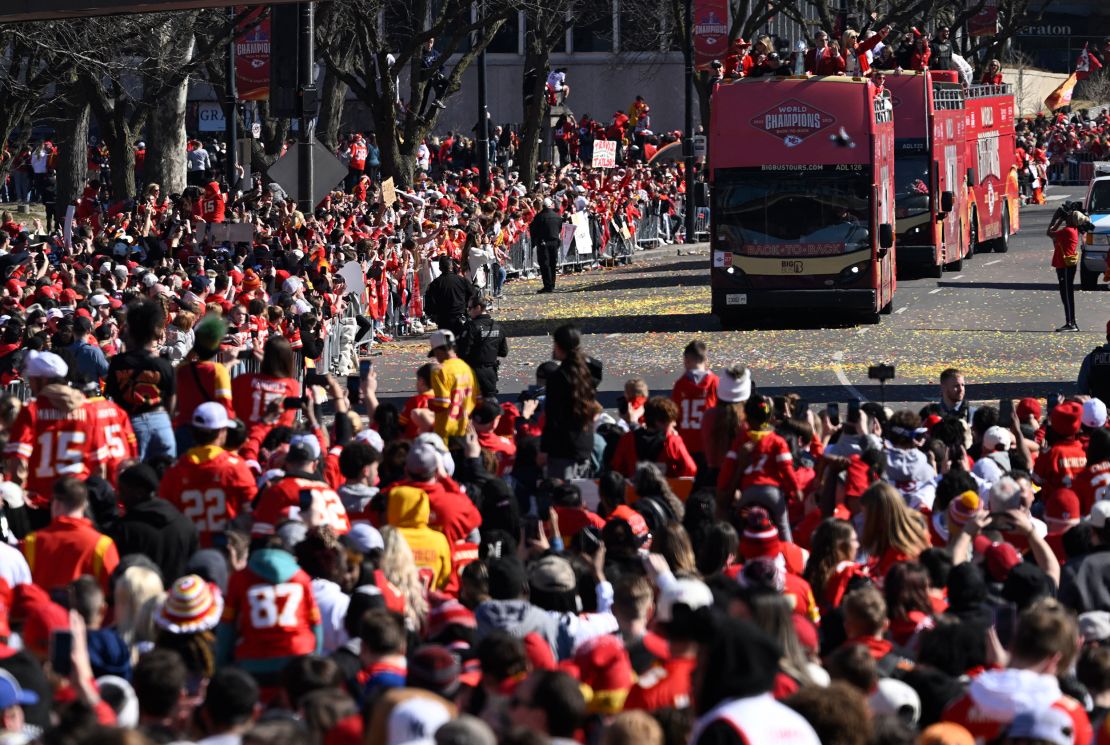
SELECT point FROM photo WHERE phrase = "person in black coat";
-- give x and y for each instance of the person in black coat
(567, 440)
(448, 297)
(152, 526)
(482, 343)
(545, 232)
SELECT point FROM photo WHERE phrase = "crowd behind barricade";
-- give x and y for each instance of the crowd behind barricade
(196, 559)
(1060, 149)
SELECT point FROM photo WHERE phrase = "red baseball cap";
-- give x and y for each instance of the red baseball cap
(1029, 407)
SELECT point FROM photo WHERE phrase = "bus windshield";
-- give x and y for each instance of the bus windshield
(911, 185)
(811, 210)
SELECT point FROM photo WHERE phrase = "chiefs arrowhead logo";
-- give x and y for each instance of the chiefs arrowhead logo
(256, 63)
(792, 121)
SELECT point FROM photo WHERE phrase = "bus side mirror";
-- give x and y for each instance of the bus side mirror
(886, 235)
(971, 177)
(947, 201)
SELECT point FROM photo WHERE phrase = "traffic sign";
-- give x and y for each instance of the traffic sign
(327, 171)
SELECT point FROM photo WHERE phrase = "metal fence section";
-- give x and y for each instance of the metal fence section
(1076, 169)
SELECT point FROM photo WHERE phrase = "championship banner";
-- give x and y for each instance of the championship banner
(252, 56)
(985, 22)
(1061, 97)
(710, 31)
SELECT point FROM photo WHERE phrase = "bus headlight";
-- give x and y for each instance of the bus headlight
(853, 273)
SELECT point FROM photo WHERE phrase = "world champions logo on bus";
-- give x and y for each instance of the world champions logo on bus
(792, 121)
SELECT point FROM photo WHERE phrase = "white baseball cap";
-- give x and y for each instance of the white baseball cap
(1100, 513)
(292, 285)
(995, 436)
(211, 415)
(98, 301)
(44, 365)
(441, 338)
(693, 593)
(371, 438)
(1094, 413)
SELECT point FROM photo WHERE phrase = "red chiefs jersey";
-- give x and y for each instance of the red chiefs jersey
(55, 443)
(253, 393)
(271, 619)
(771, 462)
(693, 398)
(211, 487)
(502, 448)
(1060, 464)
(290, 493)
(984, 728)
(419, 401)
(1091, 485)
(119, 437)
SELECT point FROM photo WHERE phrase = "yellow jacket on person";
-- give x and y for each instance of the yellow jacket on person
(407, 511)
(454, 396)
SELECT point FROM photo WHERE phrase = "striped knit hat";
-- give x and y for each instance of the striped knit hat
(760, 537)
(191, 606)
(964, 508)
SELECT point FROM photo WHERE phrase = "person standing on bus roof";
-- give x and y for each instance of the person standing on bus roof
(824, 59)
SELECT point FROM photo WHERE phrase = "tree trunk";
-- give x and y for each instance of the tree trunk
(165, 158)
(121, 158)
(333, 95)
(72, 132)
(537, 58)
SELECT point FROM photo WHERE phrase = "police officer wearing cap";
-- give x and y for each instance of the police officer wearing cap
(448, 297)
(1094, 374)
(482, 343)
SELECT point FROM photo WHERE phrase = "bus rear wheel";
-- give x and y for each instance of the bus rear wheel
(1001, 244)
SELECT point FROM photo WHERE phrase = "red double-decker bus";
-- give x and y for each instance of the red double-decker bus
(803, 201)
(995, 199)
(931, 191)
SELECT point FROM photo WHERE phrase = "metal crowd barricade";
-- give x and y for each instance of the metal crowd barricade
(647, 229)
(19, 390)
(521, 258)
(701, 224)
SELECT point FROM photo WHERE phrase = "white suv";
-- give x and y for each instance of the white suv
(1096, 244)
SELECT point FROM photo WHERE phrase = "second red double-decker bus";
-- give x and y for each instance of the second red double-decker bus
(803, 200)
(995, 203)
(931, 194)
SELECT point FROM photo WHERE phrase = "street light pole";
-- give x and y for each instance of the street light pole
(483, 114)
(231, 125)
(306, 85)
(688, 134)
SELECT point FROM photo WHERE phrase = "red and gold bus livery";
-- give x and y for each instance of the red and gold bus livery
(931, 193)
(995, 205)
(803, 200)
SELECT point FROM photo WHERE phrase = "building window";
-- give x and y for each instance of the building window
(644, 25)
(507, 39)
(593, 28)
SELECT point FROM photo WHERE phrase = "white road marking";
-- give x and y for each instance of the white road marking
(900, 310)
(958, 276)
(934, 292)
(612, 336)
(838, 371)
(992, 263)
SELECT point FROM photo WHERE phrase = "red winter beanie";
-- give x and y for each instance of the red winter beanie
(1066, 418)
(761, 537)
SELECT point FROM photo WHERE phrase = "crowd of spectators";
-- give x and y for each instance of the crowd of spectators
(1051, 147)
(708, 566)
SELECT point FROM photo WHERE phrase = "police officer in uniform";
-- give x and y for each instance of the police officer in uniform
(448, 297)
(482, 343)
(1094, 374)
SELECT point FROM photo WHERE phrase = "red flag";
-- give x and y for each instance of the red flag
(1061, 97)
(1086, 65)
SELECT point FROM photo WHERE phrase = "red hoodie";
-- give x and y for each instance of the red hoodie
(212, 203)
(771, 463)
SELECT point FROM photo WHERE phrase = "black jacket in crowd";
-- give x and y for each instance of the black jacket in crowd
(562, 437)
(447, 299)
(546, 227)
(157, 529)
(482, 342)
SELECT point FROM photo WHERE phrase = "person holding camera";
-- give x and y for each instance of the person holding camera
(1064, 232)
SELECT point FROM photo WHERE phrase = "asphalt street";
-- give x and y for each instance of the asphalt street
(994, 320)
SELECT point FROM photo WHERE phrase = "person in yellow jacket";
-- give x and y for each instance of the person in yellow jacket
(408, 511)
(454, 389)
